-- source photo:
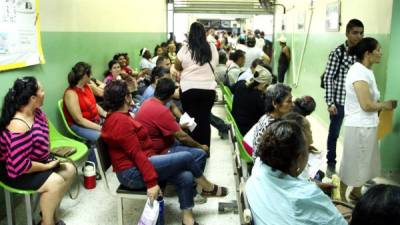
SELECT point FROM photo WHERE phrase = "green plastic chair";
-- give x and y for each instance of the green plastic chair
(228, 91)
(228, 97)
(238, 137)
(9, 203)
(70, 131)
(59, 140)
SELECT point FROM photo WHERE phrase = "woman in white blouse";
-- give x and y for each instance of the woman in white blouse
(197, 61)
(361, 159)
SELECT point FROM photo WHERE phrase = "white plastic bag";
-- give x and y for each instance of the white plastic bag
(150, 213)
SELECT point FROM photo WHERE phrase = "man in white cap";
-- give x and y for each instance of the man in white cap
(284, 59)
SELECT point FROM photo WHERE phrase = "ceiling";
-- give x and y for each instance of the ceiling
(253, 7)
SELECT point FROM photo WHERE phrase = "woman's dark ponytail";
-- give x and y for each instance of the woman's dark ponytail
(17, 97)
(77, 72)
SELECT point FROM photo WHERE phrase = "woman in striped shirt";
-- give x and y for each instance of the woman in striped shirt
(25, 162)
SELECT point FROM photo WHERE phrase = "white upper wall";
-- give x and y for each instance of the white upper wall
(103, 15)
(375, 14)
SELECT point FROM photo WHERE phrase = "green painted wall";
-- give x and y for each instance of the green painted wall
(63, 49)
(390, 145)
(314, 62)
(386, 73)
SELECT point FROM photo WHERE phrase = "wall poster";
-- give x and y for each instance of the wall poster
(332, 19)
(20, 42)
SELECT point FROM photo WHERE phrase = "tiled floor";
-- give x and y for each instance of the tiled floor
(97, 207)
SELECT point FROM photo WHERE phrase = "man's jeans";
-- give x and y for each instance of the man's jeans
(199, 155)
(178, 168)
(334, 131)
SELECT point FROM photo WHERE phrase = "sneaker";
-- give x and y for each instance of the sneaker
(330, 170)
(199, 199)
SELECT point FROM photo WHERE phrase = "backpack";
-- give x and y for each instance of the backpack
(226, 77)
(342, 49)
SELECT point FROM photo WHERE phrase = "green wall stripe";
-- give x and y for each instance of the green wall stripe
(63, 49)
(390, 145)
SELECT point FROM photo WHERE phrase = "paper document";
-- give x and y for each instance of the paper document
(385, 123)
(185, 118)
(314, 164)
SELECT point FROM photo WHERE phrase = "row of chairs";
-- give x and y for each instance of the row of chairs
(242, 161)
(56, 139)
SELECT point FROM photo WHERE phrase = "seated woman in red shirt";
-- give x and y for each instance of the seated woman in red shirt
(136, 162)
(25, 162)
(80, 107)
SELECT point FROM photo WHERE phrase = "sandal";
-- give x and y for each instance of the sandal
(218, 191)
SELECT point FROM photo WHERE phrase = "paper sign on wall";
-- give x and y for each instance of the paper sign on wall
(20, 43)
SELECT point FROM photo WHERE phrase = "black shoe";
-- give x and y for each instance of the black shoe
(330, 170)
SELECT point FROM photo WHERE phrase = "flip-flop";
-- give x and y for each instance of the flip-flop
(217, 191)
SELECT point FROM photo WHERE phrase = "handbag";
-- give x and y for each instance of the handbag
(63, 151)
(150, 213)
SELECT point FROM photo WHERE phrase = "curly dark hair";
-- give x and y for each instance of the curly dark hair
(281, 145)
(304, 105)
(380, 205)
(114, 95)
(17, 97)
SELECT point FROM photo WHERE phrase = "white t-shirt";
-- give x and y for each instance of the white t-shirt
(194, 76)
(233, 73)
(146, 64)
(260, 43)
(246, 74)
(154, 59)
(355, 116)
(252, 54)
(241, 47)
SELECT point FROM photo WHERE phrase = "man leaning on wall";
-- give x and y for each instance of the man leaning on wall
(338, 64)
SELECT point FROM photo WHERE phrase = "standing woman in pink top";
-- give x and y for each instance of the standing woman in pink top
(25, 162)
(197, 61)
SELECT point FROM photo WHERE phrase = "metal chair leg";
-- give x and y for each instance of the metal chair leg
(120, 211)
(9, 208)
(28, 209)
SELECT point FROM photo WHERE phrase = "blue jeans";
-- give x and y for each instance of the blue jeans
(334, 131)
(199, 155)
(89, 134)
(178, 168)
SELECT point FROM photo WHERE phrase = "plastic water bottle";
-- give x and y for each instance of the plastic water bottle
(160, 220)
